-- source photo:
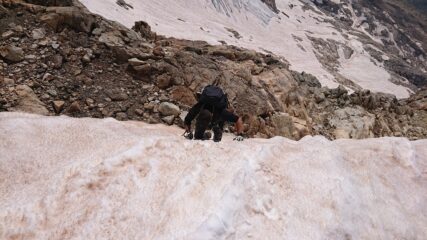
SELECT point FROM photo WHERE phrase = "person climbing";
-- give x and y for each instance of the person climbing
(211, 111)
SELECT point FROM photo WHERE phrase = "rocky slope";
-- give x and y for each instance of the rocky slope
(361, 44)
(66, 60)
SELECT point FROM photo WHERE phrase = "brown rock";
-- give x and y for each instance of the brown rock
(225, 53)
(56, 61)
(74, 107)
(123, 53)
(6, 82)
(58, 106)
(149, 106)
(144, 29)
(121, 116)
(183, 95)
(163, 81)
(117, 95)
(158, 51)
(139, 112)
(28, 101)
(144, 70)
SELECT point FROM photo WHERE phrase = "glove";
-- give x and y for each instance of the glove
(239, 138)
(188, 135)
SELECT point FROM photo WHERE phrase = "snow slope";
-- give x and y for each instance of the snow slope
(260, 29)
(65, 178)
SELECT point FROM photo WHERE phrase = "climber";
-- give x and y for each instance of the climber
(211, 111)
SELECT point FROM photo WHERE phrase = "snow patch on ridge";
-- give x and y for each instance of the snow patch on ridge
(65, 178)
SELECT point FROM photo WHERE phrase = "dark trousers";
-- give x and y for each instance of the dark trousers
(203, 122)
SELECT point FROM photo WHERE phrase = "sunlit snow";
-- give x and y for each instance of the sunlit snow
(65, 178)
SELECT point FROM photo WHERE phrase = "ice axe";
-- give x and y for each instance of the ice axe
(188, 135)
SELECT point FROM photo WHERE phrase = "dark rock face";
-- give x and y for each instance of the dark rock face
(271, 4)
(61, 3)
(107, 70)
(327, 5)
(419, 4)
(403, 35)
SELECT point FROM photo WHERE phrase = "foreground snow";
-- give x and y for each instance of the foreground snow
(64, 178)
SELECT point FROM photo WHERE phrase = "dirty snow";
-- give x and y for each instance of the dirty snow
(65, 178)
(260, 28)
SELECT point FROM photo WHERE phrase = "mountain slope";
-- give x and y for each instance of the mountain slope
(66, 60)
(67, 178)
(340, 42)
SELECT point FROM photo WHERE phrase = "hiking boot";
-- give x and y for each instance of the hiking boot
(217, 133)
(207, 135)
(202, 124)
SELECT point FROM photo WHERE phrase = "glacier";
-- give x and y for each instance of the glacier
(67, 178)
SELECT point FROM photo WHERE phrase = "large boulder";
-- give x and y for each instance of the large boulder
(28, 101)
(111, 39)
(183, 95)
(144, 29)
(283, 125)
(355, 123)
(169, 109)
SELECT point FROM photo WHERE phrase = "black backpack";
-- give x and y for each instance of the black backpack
(214, 96)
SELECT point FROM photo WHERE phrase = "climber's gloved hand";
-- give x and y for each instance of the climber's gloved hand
(239, 138)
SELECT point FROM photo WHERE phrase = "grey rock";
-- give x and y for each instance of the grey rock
(111, 39)
(121, 116)
(353, 123)
(89, 101)
(117, 95)
(135, 62)
(52, 92)
(48, 77)
(12, 54)
(97, 31)
(7, 34)
(31, 57)
(168, 109)
(183, 115)
(38, 33)
(86, 58)
(55, 45)
(169, 119)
